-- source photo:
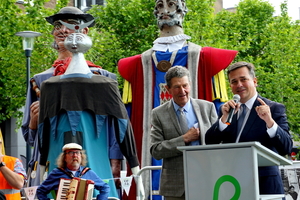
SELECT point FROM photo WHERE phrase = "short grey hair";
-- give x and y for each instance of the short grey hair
(176, 71)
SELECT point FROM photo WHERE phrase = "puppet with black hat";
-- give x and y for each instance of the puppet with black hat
(38, 173)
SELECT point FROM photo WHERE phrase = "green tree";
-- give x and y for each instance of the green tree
(267, 41)
(127, 28)
(271, 43)
(131, 23)
(12, 57)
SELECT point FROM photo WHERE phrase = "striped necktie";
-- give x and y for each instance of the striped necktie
(242, 116)
(183, 120)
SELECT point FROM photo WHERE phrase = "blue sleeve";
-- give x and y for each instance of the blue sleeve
(114, 148)
(100, 185)
(282, 140)
(108, 74)
(104, 189)
(28, 134)
(51, 183)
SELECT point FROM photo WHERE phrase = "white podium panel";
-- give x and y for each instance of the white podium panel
(226, 171)
(271, 197)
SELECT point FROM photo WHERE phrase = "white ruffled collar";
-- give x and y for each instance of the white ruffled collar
(171, 39)
(171, 43)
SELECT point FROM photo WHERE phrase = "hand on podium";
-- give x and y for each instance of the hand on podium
(139, 182)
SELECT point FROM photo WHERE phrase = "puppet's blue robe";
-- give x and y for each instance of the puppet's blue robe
(86, 109)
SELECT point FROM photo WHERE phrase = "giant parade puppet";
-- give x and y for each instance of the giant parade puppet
(82, 107)
(144, 77)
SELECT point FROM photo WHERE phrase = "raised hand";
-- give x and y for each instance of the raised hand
(263, 111)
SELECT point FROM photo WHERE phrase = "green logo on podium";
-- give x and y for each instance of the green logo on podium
(230, 179)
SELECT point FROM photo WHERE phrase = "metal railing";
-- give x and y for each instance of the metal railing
(147, 168)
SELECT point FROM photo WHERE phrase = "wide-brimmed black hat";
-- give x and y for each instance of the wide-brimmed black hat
(70, 12)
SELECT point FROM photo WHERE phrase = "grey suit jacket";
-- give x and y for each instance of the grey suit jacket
(166, 136)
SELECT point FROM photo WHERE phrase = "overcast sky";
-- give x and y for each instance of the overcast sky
(293, 6)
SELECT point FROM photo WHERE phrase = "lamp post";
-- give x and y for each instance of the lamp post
(28, 41)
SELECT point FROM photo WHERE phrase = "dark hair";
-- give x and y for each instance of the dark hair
(176, 71)
(240, 64)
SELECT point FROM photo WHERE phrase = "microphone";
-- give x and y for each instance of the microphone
(236, 99)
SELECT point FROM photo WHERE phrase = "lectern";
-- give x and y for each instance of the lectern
(227, 171)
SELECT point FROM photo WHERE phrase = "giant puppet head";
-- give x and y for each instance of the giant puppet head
(169, 12)
(70, 15)
(77, 42)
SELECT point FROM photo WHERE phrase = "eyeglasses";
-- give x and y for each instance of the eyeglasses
(72, 153)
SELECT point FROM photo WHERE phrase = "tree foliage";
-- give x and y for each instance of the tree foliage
(12, 57)
(127, 27)
(270, 43)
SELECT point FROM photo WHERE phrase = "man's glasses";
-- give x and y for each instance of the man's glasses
(72, 153)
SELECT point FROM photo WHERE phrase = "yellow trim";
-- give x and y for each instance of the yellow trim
(220, 89)
(3, 147)
(127, 93)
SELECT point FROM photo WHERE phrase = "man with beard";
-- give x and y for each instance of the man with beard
(70, 15)
(71, 163)
(145, 73)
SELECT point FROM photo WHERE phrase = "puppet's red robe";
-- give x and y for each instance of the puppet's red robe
(203, 64)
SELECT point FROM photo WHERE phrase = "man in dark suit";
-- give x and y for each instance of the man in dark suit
(264, 121)
(167, 133)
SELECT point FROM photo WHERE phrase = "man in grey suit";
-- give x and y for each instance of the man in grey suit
(167, 131)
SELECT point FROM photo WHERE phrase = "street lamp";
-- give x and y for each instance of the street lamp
(28, 41)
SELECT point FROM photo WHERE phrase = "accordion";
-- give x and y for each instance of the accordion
(75, 189)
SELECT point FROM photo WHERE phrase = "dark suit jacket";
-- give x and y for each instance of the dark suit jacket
(166, 136)
(255, 130)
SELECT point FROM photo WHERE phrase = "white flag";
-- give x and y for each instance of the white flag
(126, 183)
(30, 192)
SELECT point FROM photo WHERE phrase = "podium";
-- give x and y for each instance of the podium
(227, 171)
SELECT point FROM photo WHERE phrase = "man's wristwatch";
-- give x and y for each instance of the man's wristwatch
(2, 164)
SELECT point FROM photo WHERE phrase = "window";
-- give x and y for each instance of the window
(20, 1)
(85, 5)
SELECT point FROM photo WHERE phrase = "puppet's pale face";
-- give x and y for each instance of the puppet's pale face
(78, 43)
(168, 13)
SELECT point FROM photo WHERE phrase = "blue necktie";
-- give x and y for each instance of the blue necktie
(242, 116)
